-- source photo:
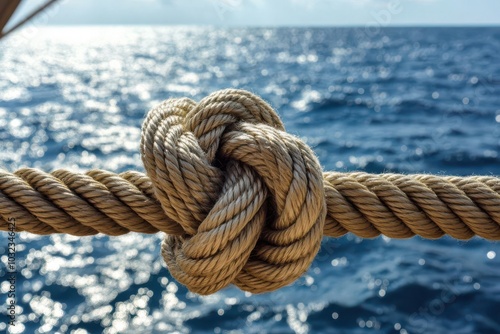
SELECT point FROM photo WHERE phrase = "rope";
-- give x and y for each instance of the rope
(242, 201)
(10, 6)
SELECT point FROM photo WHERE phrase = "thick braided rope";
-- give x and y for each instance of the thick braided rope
(242, 201)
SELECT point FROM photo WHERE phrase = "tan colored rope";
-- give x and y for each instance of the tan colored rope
(241, 200)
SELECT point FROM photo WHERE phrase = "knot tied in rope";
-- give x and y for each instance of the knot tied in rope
(242, 201)
(248, 195)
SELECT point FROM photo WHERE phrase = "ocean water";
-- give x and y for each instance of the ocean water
(406, 100)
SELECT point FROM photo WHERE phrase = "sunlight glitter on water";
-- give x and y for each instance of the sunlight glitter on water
(75, 98)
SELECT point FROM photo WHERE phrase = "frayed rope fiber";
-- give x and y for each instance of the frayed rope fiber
(241, 201)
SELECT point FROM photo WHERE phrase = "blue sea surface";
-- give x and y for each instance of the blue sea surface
(408, 100)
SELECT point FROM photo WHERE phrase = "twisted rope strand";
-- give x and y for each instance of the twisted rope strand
(81, 204)
(366, 205)
(241, 201)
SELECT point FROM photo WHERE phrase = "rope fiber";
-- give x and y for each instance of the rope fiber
(241, 201)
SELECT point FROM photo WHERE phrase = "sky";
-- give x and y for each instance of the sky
(270, 12)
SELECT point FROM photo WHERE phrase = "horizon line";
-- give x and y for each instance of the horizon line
(419, 25)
